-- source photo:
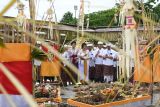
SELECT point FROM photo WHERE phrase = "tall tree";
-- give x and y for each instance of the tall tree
(157, 11)
(68, 19)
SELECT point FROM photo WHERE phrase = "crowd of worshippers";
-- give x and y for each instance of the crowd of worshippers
(95, 62)
(98, 62)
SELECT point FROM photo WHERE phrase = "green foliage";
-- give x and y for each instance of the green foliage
(102, 18)
(68, 19)
(38, 54)
(156, 10)
(150, 5)
(106, 17)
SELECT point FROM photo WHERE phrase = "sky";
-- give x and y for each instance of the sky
(61, 7)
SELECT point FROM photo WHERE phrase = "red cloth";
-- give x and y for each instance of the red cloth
(22, 71)
(56, 47)
(74, 59)
(44, 49)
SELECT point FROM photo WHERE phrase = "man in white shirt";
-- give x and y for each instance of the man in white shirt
(108, 64)
(115, 66)
(99, 63)
(83, 64)
(74, 58)
(91, 62)
(95, 47)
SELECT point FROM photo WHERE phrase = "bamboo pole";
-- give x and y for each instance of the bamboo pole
(32, 16)
(11, 3)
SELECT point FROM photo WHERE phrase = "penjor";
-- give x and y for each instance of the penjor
(21, 19)
(129, 35)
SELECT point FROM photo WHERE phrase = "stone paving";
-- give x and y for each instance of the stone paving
(66, 92)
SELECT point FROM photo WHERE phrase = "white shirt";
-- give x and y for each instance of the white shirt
(115, 56)
(83, 54)
(108, 61)
(95, 48)
(72, 52)
(92, 58)
(37, 62)
(98, 60)
(65, 55)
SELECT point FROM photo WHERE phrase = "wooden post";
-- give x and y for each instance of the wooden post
(32, 16)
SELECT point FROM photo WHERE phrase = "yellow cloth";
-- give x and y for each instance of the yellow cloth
(85, 69)
(15, 52)
(50, 68)
(145, 73)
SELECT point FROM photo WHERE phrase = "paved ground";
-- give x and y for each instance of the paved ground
(66, 92)
(156, 98)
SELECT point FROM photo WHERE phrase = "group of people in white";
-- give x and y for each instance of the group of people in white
(95, 62)
(98, 62)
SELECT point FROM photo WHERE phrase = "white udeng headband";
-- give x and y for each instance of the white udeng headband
(100, 43)
(90, 45)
